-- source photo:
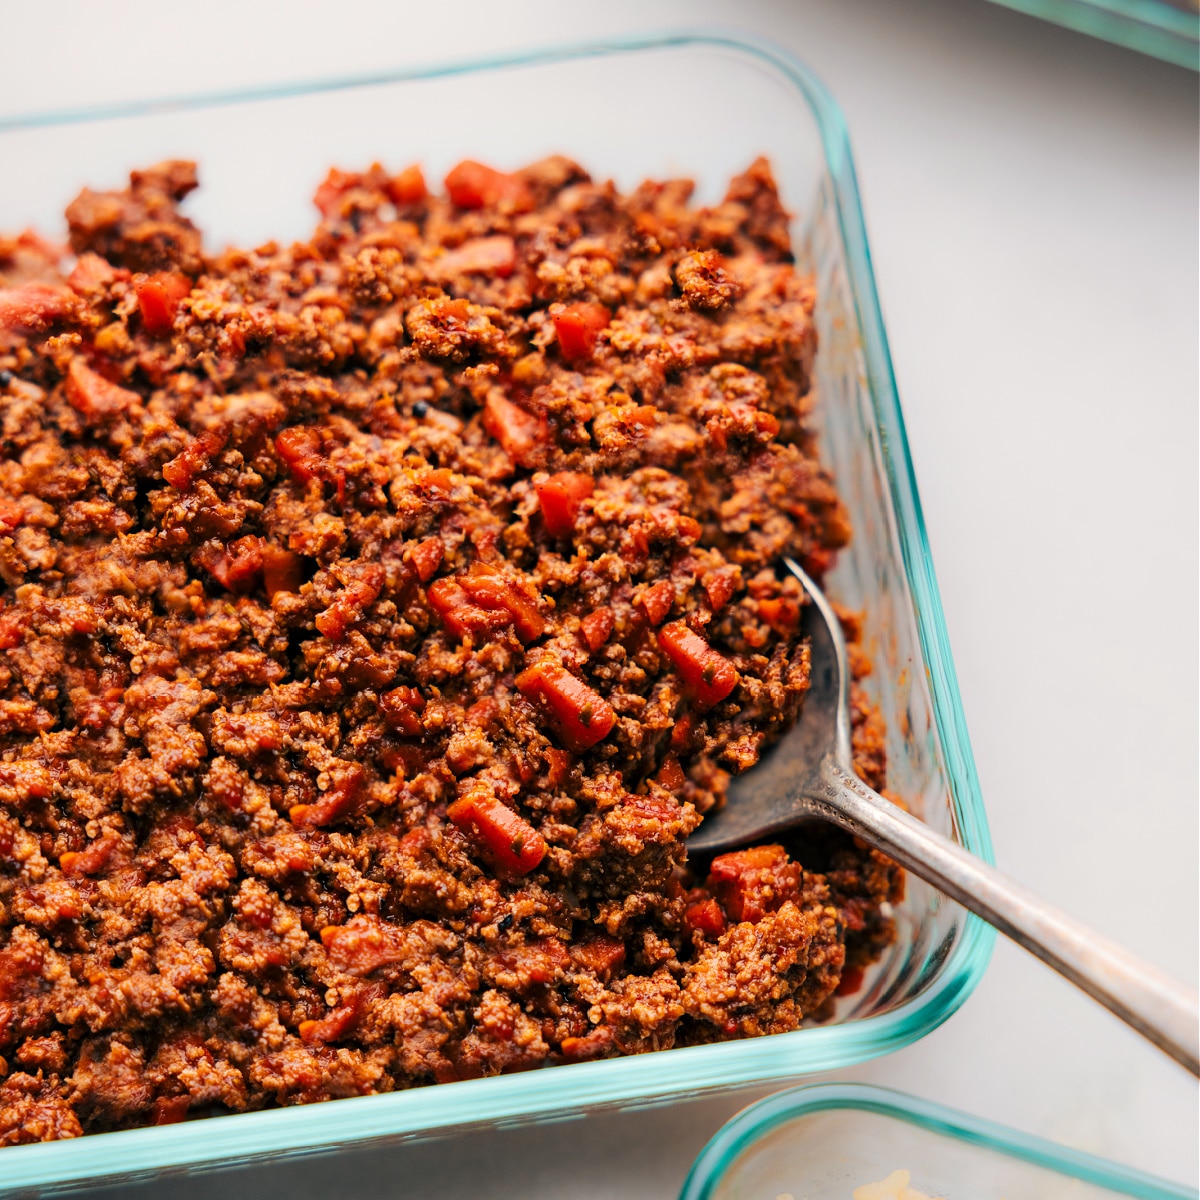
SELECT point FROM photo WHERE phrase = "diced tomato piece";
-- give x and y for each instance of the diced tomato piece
(519, 432)
(599, 954)
(460, 614)
(91, 859)
(361, 590)
(558, 763)
(750, 883)
(94, 396)
(282, 570)
(193, 459)
(592, 1045)
(597, 628)
(408, 187)
(364, 944)
(513, 844)
(11, 515)
(34, 306)
(495, 592)
(12, 629)
(681, 735)
(337, 183)
(579, 716)
(439, 482)
(301, 448)
(331, 1028)
(670, 774)
(577, 327)
(402, 708)
(782, 613)
(559, 498)
(472, 185)
(92, 272)
(708, 674)
(705, 916)
(170, 1110)
(479, 256)
(656, 601)
(426, 557)
(851, 981)
(158, 299)
(340, 1021)
(718, 586)
(236, 567)
(342, 797)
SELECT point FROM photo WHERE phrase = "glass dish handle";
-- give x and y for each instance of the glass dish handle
(1156, 1005)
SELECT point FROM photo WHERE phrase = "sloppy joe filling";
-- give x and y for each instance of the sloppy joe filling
(380, 614)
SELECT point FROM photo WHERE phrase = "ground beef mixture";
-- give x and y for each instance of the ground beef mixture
(380, 614)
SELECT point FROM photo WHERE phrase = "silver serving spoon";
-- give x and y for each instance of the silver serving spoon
(809, 774)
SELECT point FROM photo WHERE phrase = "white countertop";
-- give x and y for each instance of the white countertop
(1031, 198)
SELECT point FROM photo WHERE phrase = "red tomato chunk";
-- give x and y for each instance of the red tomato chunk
(512, 843)
(708, 674)
(479, 256)
(408, 187)
(364, 944)
(472, 185)
(597, 628)
(519, 432)
(426, 557)
(237, 567)
(342, 797)
(282, 570)
(34, 306)
(402, 708)
(484, 601)
(193, 459)
(559, 498)
(94, 396)
(579, 716)
(751, 883)
(493, 591)
(577, 327)
(90, 860)
(158, 299)
(656, 601)
(706, 917)
(361, 591)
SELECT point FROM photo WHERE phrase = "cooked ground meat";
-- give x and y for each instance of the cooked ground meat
(380, 614)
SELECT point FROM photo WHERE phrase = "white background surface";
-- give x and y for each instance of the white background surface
(1031, 197)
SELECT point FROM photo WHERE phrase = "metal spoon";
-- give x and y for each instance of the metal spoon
(809, 774)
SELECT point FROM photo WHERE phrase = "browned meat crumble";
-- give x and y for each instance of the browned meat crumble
(380, 613)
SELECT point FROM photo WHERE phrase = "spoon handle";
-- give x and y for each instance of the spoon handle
(1157, 1006)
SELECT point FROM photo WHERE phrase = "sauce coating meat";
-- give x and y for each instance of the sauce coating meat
(380, 614)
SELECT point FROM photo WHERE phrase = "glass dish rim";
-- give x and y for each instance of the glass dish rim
(642, 1080)
(761, 1118)
(1152, 27)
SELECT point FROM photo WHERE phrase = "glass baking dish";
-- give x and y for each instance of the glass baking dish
(823, 1141)
(697, 105)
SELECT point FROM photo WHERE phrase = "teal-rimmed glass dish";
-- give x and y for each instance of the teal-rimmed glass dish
(695, 105)
(1160, 28)
(823, 1141)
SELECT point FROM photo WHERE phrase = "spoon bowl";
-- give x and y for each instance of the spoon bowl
(810, 773)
